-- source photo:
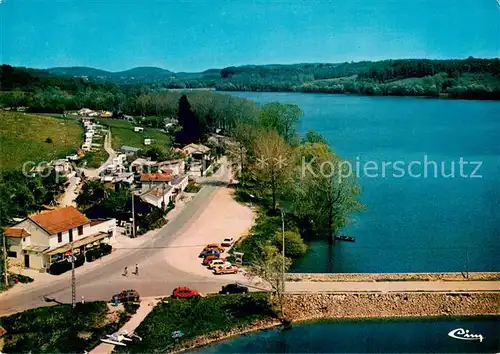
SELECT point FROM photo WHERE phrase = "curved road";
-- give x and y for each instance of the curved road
(101, 279)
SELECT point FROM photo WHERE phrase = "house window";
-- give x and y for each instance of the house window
(70, 235)
(80, 230)
(12, 254)
(24, 239)
(59, 237)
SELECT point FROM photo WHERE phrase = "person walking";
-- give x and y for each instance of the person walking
(125, 271)
(136, 269)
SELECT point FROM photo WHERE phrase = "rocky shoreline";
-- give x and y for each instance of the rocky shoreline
(331, 277)
(311, 307)
(305, 307)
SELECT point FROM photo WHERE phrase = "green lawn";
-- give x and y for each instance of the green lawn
(61, 329)
(95, 159)
(123, 134)
(197, 317)
(22, 138)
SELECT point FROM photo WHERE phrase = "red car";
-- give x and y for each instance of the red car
(183, 292)
(207, 259)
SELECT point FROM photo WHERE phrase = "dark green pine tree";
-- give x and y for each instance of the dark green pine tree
(190, 132)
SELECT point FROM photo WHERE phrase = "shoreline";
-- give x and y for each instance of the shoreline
(362, 277)
(366, 307)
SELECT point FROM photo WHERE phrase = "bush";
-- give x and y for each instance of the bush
(48, 140)
(55, 329)
(295, 246)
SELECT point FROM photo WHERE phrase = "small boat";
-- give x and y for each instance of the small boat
(345, 238)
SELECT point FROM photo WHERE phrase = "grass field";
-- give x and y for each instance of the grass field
(123, 134)
(23, 138)
(196, 317)
(62, 329)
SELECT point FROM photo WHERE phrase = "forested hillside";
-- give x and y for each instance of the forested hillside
(469, 78)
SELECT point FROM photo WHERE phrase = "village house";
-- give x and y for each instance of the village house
(119, 177)
(175, 167)
(141, 165)
(196, 151)
(151, 180)
(159, 196)
(85, 112)
(179, 183)
(47, 237)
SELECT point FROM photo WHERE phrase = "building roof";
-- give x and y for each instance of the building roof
(59, 220)
(166, 170)
(158, 192)
(195, 148)
(156, 177)
(16, 232)
(178, 179)
(170, 162)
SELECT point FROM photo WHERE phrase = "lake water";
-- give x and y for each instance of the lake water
(411, 224)
(377, 336)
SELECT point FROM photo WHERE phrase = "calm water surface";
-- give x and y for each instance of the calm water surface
(410, 224)
(413, 336)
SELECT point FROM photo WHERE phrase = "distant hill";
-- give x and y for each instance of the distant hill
(79, 71)
(144, 74)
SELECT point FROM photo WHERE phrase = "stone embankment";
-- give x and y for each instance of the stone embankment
(329, 277)
(307, 307)
(304, 307)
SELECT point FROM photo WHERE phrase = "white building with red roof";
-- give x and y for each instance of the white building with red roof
(47, 236)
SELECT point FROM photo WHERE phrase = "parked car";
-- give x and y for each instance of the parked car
(217, 263)
(214, 246)
(227, 242)
(184, 293)
(210, 252)
(126, 296)
(233, 288)
(225, 270)
(208, 259)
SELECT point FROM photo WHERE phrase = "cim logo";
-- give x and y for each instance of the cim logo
(463, 334)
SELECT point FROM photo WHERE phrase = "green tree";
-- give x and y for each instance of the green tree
(92, 193)
(270, 266)
(327, 192)
(281, 117)
(295, 247)
(273, 164)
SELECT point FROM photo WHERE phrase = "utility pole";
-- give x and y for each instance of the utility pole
(73, 278)
(282, 299)
(6, 277)
(133, 212)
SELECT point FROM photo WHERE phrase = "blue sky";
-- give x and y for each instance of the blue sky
(197, 35)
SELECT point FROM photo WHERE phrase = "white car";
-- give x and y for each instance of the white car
(218, 263)
(227, 242)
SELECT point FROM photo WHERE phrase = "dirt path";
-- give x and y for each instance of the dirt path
(147, 305)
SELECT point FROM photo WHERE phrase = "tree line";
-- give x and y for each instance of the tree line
(268, 156)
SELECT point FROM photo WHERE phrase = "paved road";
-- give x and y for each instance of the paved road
(105, 278)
